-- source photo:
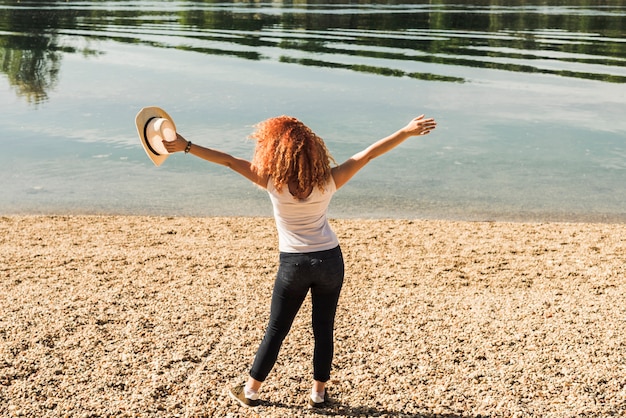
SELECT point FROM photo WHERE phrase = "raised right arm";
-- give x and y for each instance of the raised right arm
(345, 171)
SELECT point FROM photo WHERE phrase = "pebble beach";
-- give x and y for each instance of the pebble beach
(130, 316)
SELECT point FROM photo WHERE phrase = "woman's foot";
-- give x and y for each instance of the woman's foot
(318, 400)
(238, 393)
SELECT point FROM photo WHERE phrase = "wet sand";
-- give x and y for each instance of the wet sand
(152, 316)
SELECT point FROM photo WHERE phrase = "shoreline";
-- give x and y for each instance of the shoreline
(158, 315)
(516, 218)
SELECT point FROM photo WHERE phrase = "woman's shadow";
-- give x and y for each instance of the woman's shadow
(337, 409)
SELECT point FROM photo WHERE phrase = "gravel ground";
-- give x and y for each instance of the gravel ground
(156, 317)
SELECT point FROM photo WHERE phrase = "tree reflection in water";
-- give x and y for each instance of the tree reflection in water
(390, 39)
(28, 52)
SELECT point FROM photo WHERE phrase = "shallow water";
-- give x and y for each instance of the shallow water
(530, 99)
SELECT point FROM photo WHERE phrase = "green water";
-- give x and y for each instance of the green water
(530, 98)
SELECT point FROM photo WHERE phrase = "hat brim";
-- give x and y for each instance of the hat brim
(142, 119)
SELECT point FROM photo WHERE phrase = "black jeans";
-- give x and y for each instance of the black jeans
(322, 272)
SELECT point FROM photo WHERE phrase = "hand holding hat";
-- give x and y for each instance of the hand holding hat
(178, 144)
(156, 129)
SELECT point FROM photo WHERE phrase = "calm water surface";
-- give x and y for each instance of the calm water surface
(530, 97)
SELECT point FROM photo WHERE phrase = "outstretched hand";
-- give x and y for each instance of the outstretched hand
(176, 145)
(420, 126)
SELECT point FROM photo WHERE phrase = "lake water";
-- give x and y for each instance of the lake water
(530, 97)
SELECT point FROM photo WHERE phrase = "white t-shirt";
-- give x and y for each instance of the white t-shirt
(302, 223)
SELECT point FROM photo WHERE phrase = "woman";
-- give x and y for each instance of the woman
(293, 164)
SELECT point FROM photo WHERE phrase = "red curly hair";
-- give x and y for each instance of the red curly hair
(288, 151)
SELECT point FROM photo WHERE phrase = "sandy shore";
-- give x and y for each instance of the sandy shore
(145, 316)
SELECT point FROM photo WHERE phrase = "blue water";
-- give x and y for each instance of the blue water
(530, 99)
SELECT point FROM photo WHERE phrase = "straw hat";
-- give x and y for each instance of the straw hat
(154, 126)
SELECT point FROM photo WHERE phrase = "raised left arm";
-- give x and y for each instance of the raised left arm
(239, 165)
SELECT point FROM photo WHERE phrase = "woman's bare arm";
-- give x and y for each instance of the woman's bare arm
(238, 165)
(345, 171)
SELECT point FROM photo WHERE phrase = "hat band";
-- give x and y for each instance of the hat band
(145, 135)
